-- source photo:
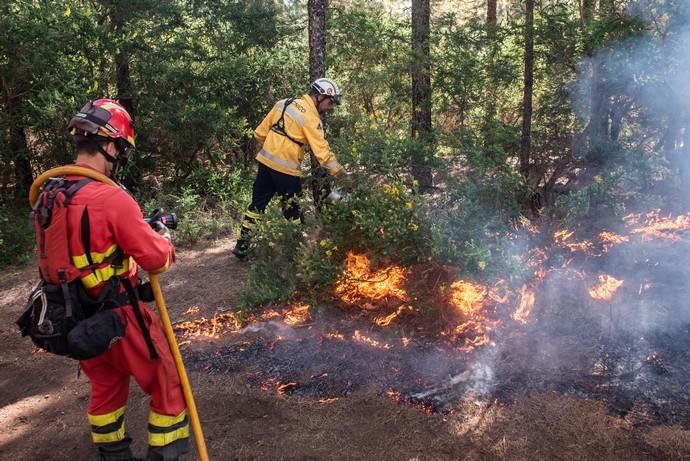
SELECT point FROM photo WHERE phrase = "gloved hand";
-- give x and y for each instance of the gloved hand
(345, 181)
(162, 229)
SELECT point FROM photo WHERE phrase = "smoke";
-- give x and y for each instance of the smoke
(271, 328)
(640, 81)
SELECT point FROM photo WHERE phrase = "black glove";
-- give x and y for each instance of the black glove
(161, 228)
(345, 181)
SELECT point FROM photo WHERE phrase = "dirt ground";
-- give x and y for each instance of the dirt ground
(43, 400)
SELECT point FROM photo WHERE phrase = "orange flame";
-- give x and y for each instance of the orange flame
(523, 311)
(562, 238)
(283, 388)
(360, 338)
(656, 226)
(467, 296)
(209, 327)
(606, 288)
(386, 321)
(609, 239)
(297, 315)
(361, 285)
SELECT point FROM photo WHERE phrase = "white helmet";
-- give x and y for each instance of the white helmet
(327, 87)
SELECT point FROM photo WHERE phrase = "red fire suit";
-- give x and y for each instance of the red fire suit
(115, 222)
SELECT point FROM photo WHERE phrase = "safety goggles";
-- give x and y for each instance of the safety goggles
(126, 151)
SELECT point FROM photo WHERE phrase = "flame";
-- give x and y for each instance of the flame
(283, 388)
(360, 285)
(467, 296)
(523, 311)
(386, 321)
(500, 294)
(209, 327)
(656, 226)
(562, 237)
(297, 315)
(609, 239)
(606, 288)
(393, 394)
(360, 338)
(469, 299)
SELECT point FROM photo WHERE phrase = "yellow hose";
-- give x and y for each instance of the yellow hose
(186, 388)
(63, 171)
(158, 294)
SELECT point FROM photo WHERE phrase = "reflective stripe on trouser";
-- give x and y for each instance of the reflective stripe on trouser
(108, 427)
(249, 222)
(163, 429)
(110, 375)
(168, 435)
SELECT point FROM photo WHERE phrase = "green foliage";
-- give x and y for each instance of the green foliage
(471, 226)
(272, 277)
(207, 205)
(598, 200)
(384, 219)
(369, 54)
(202, 74)
(16, 236)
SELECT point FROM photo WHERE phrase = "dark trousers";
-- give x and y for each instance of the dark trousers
(267, 184)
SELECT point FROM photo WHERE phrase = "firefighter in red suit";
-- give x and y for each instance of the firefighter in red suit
(104, 140)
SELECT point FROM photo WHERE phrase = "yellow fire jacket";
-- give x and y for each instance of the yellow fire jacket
(301, 123)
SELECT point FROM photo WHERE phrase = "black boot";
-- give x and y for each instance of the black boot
(116, 451)
(241, 250)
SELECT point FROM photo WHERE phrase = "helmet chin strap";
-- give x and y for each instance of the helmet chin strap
(113, 161)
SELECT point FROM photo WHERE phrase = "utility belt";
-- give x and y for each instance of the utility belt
(64, 320)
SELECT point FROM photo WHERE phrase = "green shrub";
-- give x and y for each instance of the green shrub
(208, 206)
(276, 243)
(599, 200)
(472, 223)
(383, 219)
(17, 240)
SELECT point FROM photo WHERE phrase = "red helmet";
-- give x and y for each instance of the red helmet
(106, 118)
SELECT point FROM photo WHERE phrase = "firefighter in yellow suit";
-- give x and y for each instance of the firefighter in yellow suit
(283, 133)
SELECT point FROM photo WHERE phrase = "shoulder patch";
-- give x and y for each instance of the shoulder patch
(299, 106)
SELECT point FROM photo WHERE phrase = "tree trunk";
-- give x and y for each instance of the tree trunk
(597, 130)
(526, 138)
(491, 15)
(316, 9)
(317, 38)
(118, 23)
(421, 93)
(490, 92)
(124, 83)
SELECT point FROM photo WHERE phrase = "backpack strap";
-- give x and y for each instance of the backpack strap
(279, 125)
